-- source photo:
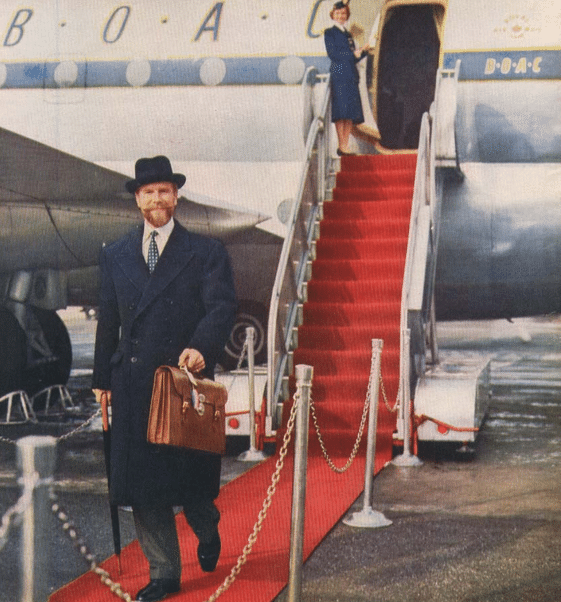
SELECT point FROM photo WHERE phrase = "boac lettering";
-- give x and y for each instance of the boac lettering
(508, 65)
(116, 24)
(15, 31)
(215, 12)
(310, 33)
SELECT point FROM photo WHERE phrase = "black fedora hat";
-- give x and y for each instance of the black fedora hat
(156, 169)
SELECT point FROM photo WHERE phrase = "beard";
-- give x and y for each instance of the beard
(158, 216)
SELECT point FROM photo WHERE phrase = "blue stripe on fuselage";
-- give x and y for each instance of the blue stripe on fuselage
(276, 70)
(506, 64)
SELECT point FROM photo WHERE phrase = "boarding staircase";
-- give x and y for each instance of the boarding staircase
(358, 264)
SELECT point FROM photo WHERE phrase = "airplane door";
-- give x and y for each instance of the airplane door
(405, 77)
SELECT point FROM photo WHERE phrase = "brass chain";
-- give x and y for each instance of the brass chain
(71, 433)
(239, 365)
(266, 504)
(386, 401)
(81, 426)
(70, 529)
(354, 452)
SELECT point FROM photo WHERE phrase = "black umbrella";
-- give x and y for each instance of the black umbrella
(114, 509)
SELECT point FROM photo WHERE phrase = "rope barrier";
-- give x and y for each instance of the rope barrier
(443, 427)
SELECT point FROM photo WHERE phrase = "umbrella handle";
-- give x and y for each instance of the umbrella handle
(104, 411)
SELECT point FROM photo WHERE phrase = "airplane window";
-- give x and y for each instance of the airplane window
(509, 122)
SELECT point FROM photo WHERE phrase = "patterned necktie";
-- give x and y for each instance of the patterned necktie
(153, 253)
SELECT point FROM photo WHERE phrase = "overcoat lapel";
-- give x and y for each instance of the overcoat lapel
(132, 262)
(177, 254)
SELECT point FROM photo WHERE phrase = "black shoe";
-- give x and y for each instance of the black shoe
(157, 589)
(209, 553)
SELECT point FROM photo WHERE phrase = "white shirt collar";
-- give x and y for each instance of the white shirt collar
(163, 231)
(341, 27)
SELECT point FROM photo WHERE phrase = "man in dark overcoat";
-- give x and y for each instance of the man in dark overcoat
(165, 299)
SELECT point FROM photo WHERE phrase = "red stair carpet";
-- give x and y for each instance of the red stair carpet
(353, 297)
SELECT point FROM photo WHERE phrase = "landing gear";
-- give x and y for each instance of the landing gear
(38, 359)
(249, 314)
(13, 353)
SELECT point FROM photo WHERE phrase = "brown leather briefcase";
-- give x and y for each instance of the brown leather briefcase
(187, 412)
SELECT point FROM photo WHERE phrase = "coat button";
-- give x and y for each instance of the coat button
(134, 360)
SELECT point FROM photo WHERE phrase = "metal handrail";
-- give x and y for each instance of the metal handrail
(296, 251)
(437, 142)
(419, 248)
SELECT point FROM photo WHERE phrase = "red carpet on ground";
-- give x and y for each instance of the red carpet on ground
(354, 296)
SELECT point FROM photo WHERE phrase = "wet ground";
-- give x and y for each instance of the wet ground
(481, 527)
(484, 526)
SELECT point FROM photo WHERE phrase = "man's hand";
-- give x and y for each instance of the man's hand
(192, 359)
(99, 392)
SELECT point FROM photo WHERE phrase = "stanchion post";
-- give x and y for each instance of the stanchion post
(304, 375)
(252, 454)
(36, 458)
(368, 517)
(406, 458)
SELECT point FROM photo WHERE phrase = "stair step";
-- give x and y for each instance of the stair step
(345, 314)
(343, 362)
(340, 248)
(373, 162)
(345, 269)
(388, 192)
(365, 210)
(374, 178)
(360, 228)
(334, 291)
(335, 338)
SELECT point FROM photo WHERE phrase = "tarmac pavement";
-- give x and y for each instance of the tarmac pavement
(481, 527)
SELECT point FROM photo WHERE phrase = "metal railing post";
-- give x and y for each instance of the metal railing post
(36, 457)
(406, 458)
(304, 375)
(368, 517)
(252, 454)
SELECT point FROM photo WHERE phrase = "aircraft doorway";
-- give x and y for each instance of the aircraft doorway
(405, 70)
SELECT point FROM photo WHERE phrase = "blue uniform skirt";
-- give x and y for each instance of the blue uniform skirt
(345, 99)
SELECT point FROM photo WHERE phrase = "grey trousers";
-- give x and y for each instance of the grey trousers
(157, 534)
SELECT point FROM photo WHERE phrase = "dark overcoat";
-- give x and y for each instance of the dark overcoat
(146, 321)
(345, 95)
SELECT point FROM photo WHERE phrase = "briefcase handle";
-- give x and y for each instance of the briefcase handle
(195, 401)
(190, 375)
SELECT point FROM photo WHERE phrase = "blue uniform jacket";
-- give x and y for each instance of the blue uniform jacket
(340, 48)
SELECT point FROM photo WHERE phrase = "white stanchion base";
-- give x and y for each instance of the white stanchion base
(367, 518)
(406, 460)
(252, 455)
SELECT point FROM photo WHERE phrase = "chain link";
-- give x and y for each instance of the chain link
(8, 441)
(72, 532)
(239, 365)
(386, 401)
(14, 515)
(354, 451)
(81, 426)
(266, 504)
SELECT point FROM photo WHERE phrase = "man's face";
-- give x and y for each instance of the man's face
(157, 202)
